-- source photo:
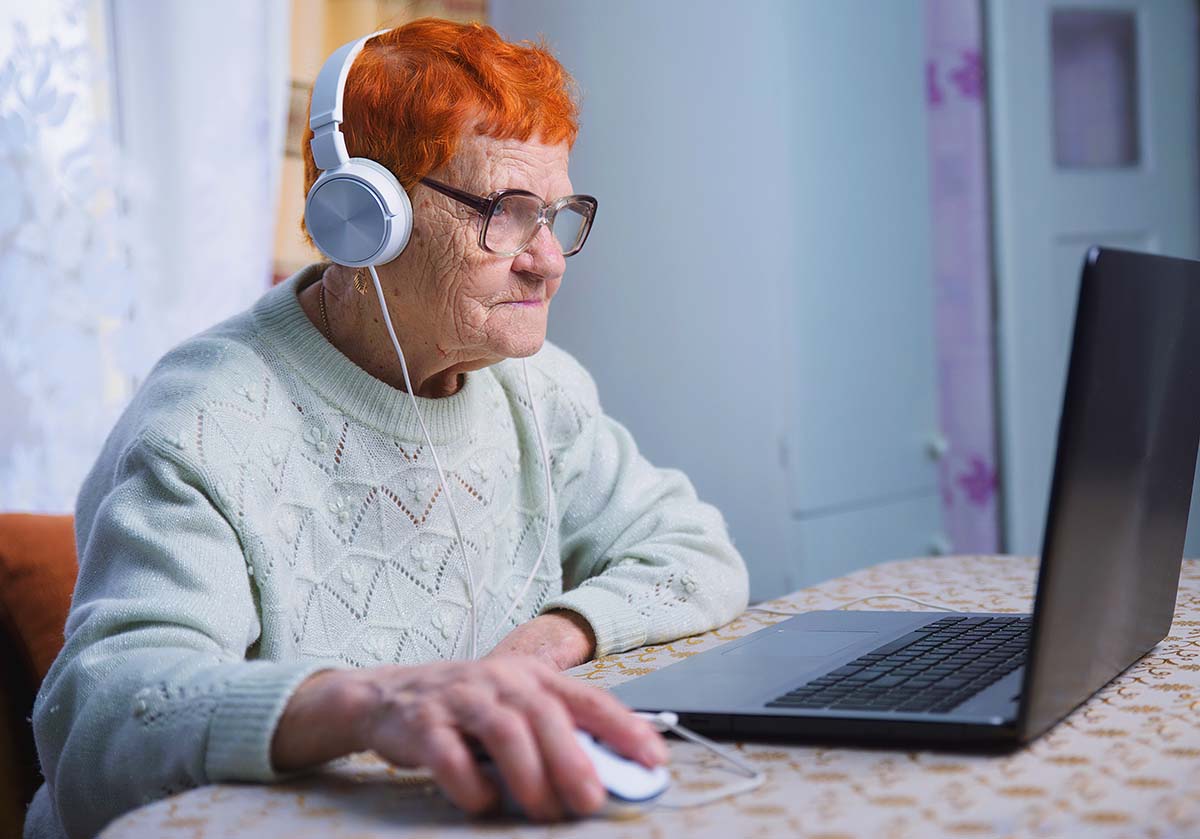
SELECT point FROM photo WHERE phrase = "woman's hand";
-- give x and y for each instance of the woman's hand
(521, 710)
(562, 638)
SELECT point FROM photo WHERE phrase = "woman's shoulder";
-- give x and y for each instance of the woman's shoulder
(219, 365)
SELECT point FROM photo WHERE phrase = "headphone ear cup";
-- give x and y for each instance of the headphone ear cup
(358, 214)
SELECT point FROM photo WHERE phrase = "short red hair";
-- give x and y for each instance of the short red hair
(416, 90)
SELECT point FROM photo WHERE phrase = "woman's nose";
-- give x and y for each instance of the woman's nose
(543, 256)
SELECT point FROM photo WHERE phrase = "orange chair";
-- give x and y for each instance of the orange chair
(37, 575)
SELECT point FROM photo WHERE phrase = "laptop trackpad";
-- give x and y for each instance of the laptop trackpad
(802, 643)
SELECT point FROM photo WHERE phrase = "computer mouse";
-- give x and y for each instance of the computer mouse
(630, 785)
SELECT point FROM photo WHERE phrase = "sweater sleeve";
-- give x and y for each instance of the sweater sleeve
(644, 560)
(152, 692)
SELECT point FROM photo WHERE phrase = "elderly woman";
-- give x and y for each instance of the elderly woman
(271, 568)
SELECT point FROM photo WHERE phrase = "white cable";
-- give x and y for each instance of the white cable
(740, 788)
(772, 611)
(537, 427)
(669, 721)
(859, 600)
(898, 597)
(541, 440)
(387, 321)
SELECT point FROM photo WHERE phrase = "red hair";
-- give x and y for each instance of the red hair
(416, 90)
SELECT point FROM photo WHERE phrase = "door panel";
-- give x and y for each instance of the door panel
(1094, 141)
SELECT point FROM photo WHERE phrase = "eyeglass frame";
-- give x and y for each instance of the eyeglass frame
(486, 205)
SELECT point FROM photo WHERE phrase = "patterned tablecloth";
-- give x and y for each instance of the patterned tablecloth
(1126, 764)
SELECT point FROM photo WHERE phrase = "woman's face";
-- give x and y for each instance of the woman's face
(477, 306)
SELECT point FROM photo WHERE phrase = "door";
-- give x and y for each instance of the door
(1094, 141)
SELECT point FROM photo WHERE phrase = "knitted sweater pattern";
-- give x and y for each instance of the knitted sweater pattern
(265, 508)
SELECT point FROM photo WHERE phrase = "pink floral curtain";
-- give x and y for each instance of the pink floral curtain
(955, 95)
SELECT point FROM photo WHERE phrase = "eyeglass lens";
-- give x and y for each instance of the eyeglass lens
(514, 223)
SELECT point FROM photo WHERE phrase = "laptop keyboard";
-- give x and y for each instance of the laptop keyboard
(934, 669)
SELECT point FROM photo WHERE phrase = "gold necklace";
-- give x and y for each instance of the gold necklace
(325, 315)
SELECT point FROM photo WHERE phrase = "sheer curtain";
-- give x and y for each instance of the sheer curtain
(140, 151)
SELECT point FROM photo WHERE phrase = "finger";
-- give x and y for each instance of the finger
(610, 720)
(456, 772)
(506, 736)
(571, 772)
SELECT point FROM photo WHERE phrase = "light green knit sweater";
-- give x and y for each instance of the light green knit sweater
(265, 508)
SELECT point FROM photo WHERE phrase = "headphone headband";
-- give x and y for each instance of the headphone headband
(328, 143)
(356, 212)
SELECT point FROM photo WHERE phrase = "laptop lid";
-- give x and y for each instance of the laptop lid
(1122, 483)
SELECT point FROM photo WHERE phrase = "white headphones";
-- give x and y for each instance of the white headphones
(357, 213)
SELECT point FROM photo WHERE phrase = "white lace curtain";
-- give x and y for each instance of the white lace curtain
(140, 151)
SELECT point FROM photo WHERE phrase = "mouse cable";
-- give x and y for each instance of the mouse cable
(859, 600)
(665, 721)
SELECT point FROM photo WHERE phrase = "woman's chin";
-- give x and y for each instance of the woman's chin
(521, 334)
(519, 345)
(528, 348)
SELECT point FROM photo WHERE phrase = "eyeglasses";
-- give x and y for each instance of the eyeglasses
(511, 218)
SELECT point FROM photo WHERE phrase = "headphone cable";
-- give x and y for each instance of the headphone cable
(387, 321)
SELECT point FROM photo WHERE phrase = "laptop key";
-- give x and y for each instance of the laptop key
(846, 670)
(952, 683)
(899, 644)
(873, 673)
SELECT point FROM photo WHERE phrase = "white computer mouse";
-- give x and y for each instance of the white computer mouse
(629, 783)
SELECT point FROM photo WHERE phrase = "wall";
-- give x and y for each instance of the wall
(675, 303)
(755, 300)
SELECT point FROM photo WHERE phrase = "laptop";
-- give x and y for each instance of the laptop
(1107, 583)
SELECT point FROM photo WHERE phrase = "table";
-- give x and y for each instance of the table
(1126, 764)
